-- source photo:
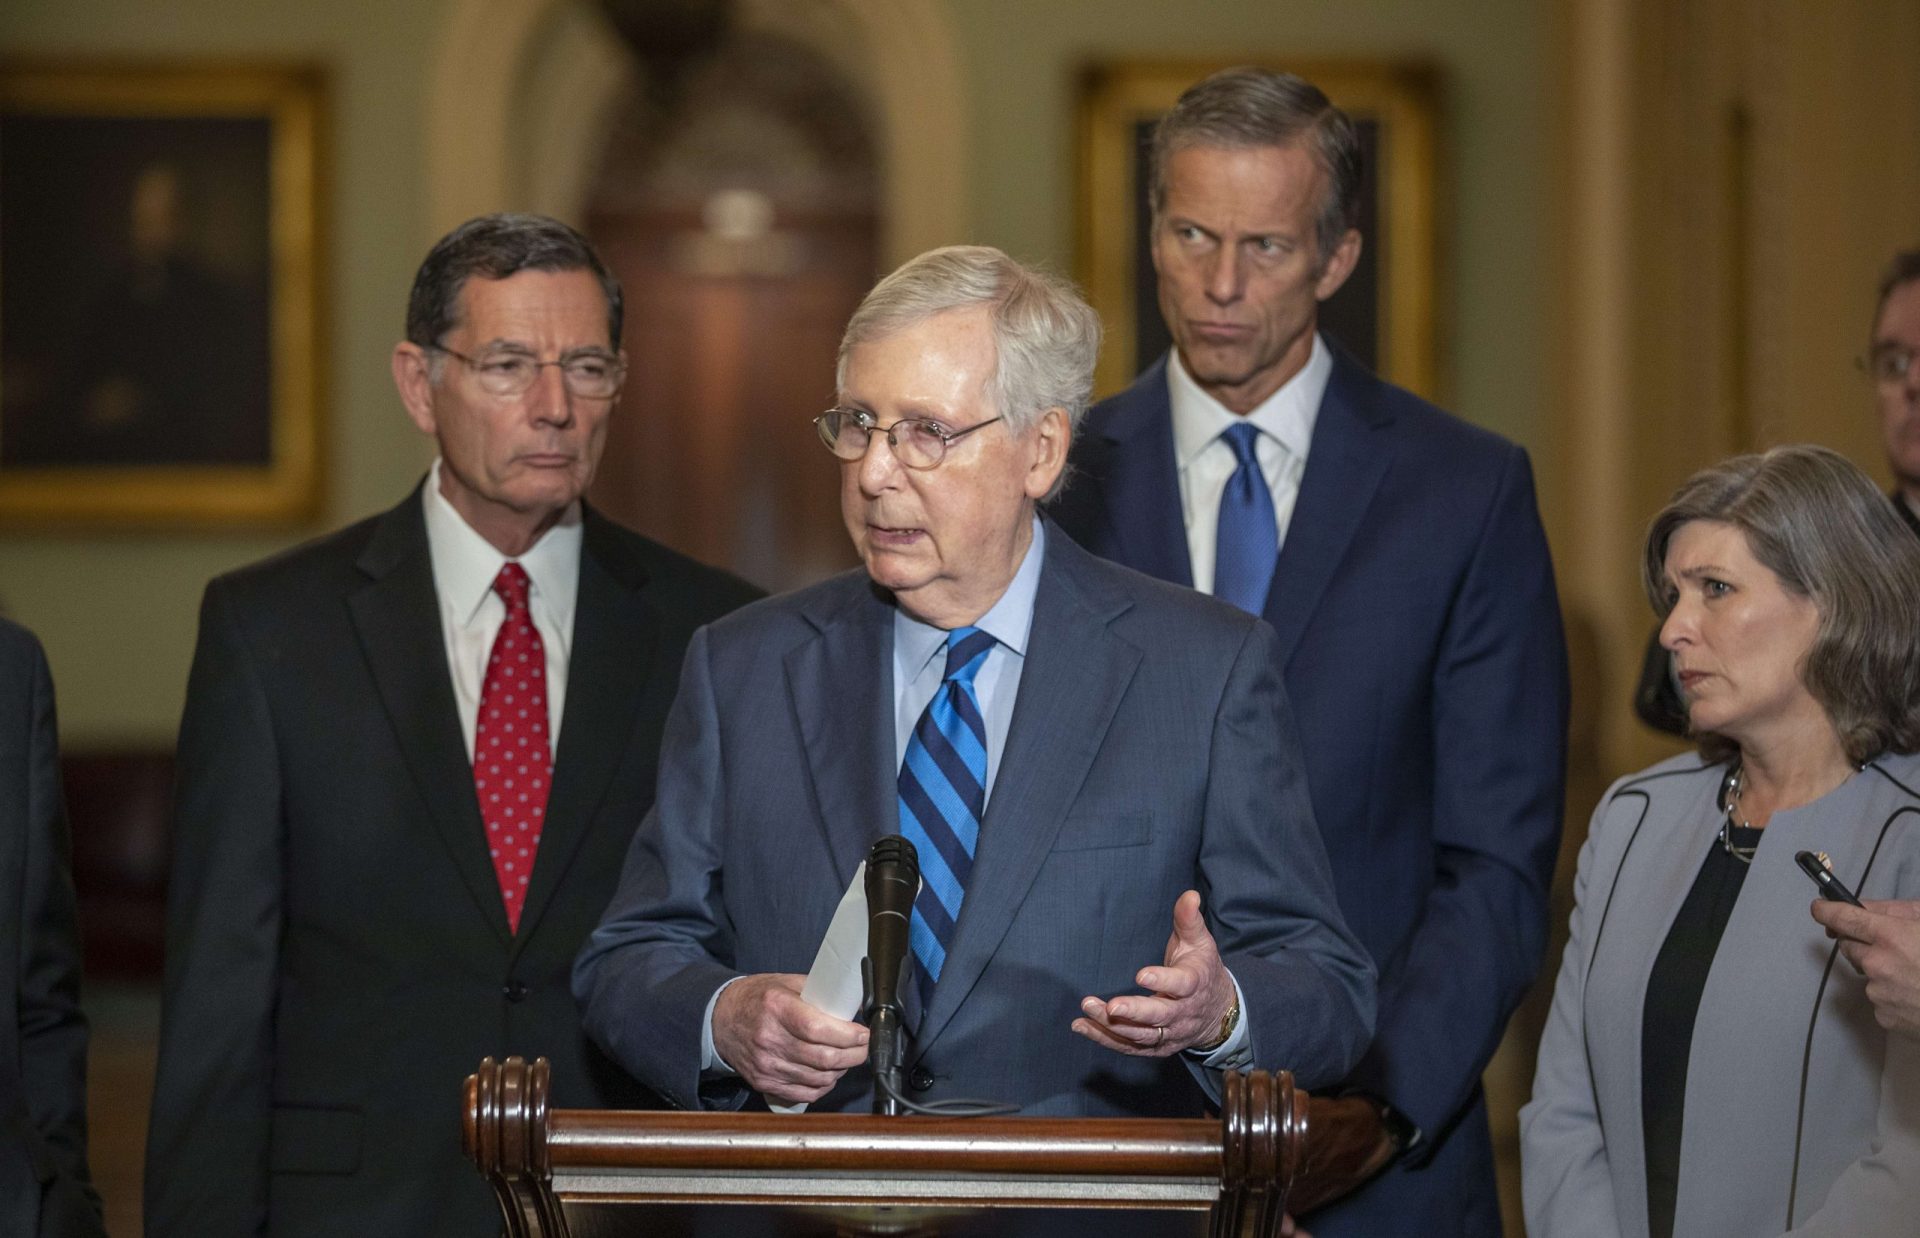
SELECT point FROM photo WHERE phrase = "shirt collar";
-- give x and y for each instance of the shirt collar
(465, 563)
(1009, 621)
(1288, 414)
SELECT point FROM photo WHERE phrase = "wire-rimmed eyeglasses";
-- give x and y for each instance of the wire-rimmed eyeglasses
(916, 443)
(591, 375)
(1887, 363)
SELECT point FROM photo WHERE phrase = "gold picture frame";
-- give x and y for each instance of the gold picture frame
(1390, 298)
(161, 337)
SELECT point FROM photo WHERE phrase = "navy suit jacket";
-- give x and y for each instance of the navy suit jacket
(43, 1037)
(1420, 635)
(1151, 750)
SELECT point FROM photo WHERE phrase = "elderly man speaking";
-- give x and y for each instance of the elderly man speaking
(1124, 889)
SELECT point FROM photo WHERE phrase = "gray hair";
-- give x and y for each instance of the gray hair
(494, 247)
(1045, 336)
(1246, 107)
(1903, 269)
(1818, 523)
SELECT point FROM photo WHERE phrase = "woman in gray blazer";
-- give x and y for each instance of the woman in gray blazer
(1710, 1066)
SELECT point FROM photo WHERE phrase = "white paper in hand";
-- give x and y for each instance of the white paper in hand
(833, 983)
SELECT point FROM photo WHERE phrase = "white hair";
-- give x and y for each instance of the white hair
(1045, 336)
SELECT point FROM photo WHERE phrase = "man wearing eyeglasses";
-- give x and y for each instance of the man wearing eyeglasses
(1896, 378)
(412, 756)
(1882, 939)
(1123, 889)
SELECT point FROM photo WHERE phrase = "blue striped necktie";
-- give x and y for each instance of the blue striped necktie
(943, 794)
(1247, 545)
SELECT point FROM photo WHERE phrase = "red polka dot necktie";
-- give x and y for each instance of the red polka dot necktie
(512, 760)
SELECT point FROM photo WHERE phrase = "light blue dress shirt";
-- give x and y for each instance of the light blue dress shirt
(920, 661)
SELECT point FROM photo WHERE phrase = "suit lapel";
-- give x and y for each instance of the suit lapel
(1348, 458)
(1075, 675)
(614, 632)
(397, 617)
(848, 733)
(1142, 483)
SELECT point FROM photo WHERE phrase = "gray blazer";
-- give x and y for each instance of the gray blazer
(1802, 1114)
(1151, 750)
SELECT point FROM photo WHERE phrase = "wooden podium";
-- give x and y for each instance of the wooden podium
(581, 1173)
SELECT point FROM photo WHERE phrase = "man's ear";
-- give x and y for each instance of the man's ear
(413, 376)
(626, 372)
(1346, 256)
(1050, 439)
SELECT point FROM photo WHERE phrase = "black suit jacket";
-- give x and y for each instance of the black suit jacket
(43, 1037)
(338, 959)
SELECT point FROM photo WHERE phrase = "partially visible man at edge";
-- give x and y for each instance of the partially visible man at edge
(45, 1191)
(1893, 364)
(1882, 940)
(1398, 553)
(361, 907)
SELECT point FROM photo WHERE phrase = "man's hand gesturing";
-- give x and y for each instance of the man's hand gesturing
(1191, 994)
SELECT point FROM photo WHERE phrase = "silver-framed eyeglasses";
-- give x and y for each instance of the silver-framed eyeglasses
(916, 442)
(1888, 363)
(590, 374)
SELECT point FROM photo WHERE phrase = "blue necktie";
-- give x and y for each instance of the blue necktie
(943, 793)
(1248, 541)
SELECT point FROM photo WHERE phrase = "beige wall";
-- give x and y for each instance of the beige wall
(118, 612)
(1735, 174)
(1021, 60)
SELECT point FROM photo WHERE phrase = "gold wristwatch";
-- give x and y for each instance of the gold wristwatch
(1228, 1022)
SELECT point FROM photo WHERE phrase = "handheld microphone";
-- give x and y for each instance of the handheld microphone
(893, 879)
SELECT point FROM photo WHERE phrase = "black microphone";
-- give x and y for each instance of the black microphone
(893, 879)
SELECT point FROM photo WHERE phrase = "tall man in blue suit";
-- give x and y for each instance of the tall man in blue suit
(1398, 554)
(1084, 756)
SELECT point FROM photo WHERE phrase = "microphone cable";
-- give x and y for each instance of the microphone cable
(893, 881)
(956, 1108)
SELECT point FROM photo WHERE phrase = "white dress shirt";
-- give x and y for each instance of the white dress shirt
(1285, 420)
(464, 567)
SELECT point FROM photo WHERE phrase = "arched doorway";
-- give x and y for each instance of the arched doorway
(519, 88)
(737, 199)
(527, 100)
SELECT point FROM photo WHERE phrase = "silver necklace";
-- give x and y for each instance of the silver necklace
(1730, 799)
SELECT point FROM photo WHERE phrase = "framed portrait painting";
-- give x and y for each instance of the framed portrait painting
(159, 294)
(1383, 315)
